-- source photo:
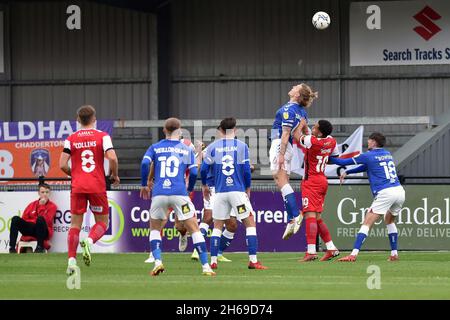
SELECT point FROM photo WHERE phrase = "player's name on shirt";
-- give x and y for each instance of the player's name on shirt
(384, 157)
(85, 144)
(324, 151)
(172, 150)
(226, 149)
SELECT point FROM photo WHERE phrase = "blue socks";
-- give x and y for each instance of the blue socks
(225, 240)
(289, 201)
(252, 241)
(359, 240)
(362, 235)
(200, 246)
(393, 236)
(215, 243)
(202, 252)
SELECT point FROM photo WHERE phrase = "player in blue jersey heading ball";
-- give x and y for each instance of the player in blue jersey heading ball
(290, 118)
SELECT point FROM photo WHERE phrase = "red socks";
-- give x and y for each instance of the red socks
(97, 231)
(72, 242)
(323, 231)
(311, 230)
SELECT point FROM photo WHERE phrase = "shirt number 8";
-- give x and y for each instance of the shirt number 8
(87, 161)
(227, 165)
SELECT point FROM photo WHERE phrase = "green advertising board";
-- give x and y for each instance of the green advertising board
(423, 223)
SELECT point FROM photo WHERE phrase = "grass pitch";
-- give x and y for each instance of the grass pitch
(418, 275)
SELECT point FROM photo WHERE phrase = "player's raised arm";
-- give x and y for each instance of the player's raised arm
(199, 147)
(302, 129)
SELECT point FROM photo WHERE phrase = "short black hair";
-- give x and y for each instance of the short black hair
(379, 138)
(227, 124)
(325, 127)
(44, 185)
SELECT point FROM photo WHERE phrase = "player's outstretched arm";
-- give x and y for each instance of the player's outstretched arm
(361, 168)
(113, 166)
(302, 129)
(341, 162)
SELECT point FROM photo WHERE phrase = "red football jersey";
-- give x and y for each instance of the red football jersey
(317, 151)
(87, 149)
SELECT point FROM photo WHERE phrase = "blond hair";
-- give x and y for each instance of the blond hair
(307, 95)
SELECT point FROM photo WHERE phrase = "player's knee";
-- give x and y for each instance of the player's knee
(77, 221)
(389, 218)
(207, 217)
(249, 222)
(231, 226)
(180, 228)
(282, 181)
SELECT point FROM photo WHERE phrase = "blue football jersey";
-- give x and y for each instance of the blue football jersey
(171, 159)
(301, 112)
(289, 115)
(380, 169)
(227, 157)
(210, 176)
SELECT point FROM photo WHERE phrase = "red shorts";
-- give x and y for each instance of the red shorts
(98, 203)
(313, 194)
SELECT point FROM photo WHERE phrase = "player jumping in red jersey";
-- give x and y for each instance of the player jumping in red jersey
(318, 147)
(87, 148)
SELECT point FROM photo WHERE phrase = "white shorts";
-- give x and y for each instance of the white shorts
(390, 199)
(208, 204)
(233, 203)
(182, 205)
(273, 156)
